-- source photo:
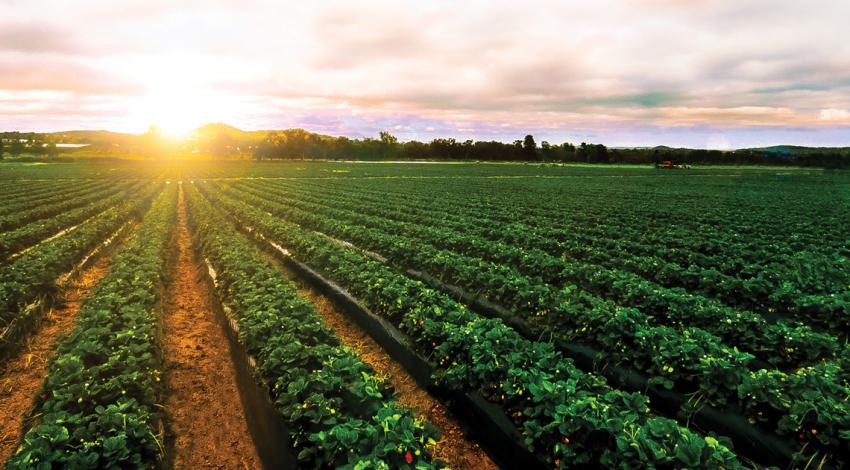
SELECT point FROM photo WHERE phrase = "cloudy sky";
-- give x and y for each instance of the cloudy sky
(700, 73)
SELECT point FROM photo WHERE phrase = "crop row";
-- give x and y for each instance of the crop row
(539, 256)
(22, 188)
(789, 241)
(33, 274)
(98, 405)
(803, 283)
(28, 235)
(800, 273)
(805, 258)
(45, 193)
(634, 207)
(40, 210)
(337, 411)
(525, 280)
(686, 355)
(806, 212)
(565, 416)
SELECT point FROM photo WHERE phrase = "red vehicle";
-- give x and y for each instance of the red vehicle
(667, 164)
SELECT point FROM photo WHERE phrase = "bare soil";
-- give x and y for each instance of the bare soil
(22, 374)
(205, 420)
(459, 452)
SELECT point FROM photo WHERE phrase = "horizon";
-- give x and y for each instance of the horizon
(186, 135)
(642, 73)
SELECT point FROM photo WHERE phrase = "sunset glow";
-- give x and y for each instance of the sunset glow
(703, 73)
(424, 234)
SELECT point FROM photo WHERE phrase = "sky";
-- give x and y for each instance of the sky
(697, 73)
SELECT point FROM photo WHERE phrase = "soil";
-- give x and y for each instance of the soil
(454, 447)
(23, 373)
(205, 420)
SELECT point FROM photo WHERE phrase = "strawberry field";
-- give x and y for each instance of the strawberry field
(567, 316)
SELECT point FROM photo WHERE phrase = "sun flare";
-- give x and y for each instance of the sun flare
(176, 95)
(174, 111)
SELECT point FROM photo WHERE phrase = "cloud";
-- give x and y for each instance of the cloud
(33, 37)
(644, 100)
(25, 72)
(842, 115)
(606, 69)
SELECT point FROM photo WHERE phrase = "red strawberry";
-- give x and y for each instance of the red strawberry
(408, 457)
(566, 440)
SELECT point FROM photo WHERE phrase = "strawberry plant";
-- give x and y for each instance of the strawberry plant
(338, 412)
(470, 352)
(98, 405)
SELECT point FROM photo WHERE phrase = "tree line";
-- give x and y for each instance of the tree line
(298, 143)
(16, 144)
(222, 141)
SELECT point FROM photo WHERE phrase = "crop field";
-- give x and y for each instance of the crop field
(423, 315)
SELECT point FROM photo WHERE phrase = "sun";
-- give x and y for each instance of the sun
(176, 111)
(178, 94)
(178, 106)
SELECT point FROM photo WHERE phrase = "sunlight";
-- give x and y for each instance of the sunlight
(176, 96)
(177, 112)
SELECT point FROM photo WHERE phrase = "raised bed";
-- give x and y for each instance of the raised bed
(484, 420)
(749, 441)
(31, 315)
(269, 431)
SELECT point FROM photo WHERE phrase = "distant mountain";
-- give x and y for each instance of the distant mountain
(91, 137)
(206, 131)
(798, 149)
(215, 129)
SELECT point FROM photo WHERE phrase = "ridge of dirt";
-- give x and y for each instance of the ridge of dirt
(204, 418)
(454, 448)
(23, 373)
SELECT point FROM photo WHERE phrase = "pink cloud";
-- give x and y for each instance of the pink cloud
(476, 66)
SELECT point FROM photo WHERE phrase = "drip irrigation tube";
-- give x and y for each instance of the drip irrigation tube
(486, 421)
(269, 431)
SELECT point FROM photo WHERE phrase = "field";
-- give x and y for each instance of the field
(401, 315)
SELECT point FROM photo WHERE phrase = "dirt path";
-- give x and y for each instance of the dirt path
(454, 448)
(22, 374)
(205, 421)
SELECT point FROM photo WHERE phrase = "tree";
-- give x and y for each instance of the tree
(549, 152)
(16, 146)
(295, 143)
(342, 147)
(592, 153)
(387, 138)
(467, 149)
(414, 150)
(389, 144)
(221, 144)
(583, 153)
(51, 150)
(1, 147)
(271, 146)
(529, 148)
(443, 148)
(601, 153)
(569, 152)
